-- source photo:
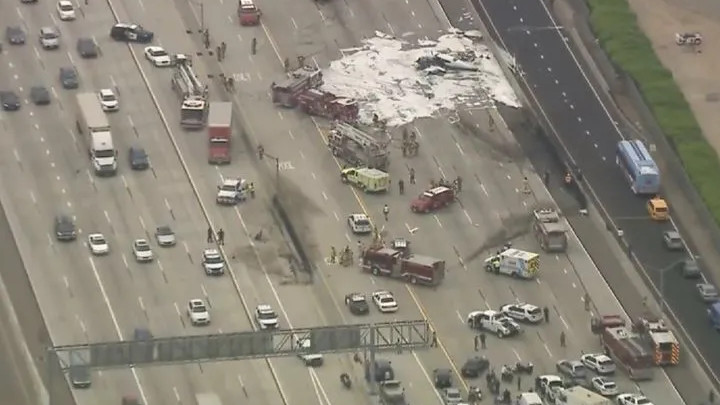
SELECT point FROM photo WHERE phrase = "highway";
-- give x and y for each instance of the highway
(493, 201)
(573, 107)
(52, 168)
(86, 299)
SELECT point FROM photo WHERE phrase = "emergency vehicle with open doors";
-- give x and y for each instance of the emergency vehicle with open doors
(515, 263)
(382, 261)
(248, 13)
(665, 346)
(549, 231)
(628, 349)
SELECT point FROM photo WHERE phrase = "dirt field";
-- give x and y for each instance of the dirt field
(696, 70)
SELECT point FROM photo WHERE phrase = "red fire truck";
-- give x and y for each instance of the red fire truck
(327, 105)
(248, 13)
(629, 349)
(382, 261)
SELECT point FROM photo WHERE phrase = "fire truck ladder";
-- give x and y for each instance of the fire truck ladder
(364, 140)
(190, 84)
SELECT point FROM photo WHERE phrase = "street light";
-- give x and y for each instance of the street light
(662, 271)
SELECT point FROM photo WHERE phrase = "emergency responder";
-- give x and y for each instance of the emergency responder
(360, 249)
(253, 46)
(221, 237)
(476, 342)
(210, 235)
(568, 178)
(562, 339)
(206, 38)
(386, 211)
(286, 64)
(301, 61)
(526, 185)
(482, 340)
(586, 300)
(546, 178)
(546, 314)
(412, 176)
(218, 53)
(434, 342)
(333, 254)
(401, 186)
(458, 184)
(223, 49)
(261, 152)
(251, 190)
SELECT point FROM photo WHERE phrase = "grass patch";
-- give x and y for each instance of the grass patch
(615, 26)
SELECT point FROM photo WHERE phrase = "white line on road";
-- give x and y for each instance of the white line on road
(563, 322)
(124, 181)
(337, 218)
(291, 134)
(293, 23)
(484, 190)
(177, 310)
(437, 220)
(141, 303)
(177, 395)
(125, 262)
(17, 155)
(107, 217)
(32, 197)
(324, 196)
(547, 349)
(142, 223)
(460, 317)
(468, 216)
(460, 149)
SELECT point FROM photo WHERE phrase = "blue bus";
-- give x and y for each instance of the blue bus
(638, 166)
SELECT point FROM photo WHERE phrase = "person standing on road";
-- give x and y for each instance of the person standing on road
(223, 49)
(412, 176)
(386, 212)
(218, 52)
(562, 339)
(210, 234)
(586, 299)
(546, 313)
(434, 342)
(519, 382)
(221, 237)
(477, 342)
(401, 186)
(333, 254)
(482, 340)
(253, 46)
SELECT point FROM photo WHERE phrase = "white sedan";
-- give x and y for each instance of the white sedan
(359, 224)
(599, 363)
(197, 312)
(158, 56)
(604, 386)
(65, 10)
(97, 244)
(141, 250)
(385, 301)
(108, 100)
(633, 399)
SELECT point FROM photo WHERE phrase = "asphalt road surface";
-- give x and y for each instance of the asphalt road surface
(585, 127)
(106, 298)
(490, 205)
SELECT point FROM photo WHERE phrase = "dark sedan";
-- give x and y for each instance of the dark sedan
(87, 48)
(10, 101)
(15, 35)
(138, 158)
(474, 366)
(357, 303)
(69, 78)
(65, 228)
(40, 95)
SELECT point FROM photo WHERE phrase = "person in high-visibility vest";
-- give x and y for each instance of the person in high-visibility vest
(568, 178)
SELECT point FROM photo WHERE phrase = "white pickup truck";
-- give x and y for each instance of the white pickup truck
(231, 192)
(494, 322)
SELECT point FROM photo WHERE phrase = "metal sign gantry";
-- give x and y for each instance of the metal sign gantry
(245, 345)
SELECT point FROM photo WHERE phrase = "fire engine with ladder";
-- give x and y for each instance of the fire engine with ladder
(357, 148)
(192, 92)
(629, 349)
(665, 346)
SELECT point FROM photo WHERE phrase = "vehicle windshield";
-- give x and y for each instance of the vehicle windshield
(105, 153)
(142, 247)
(605, 362)
(534, 311)
(66, 7)
(362, 222)
(358, 298)
(228, 187)
(192, 115)
(213, 259)
(267, 315)
(164, 231)
(555, 384)
(387, 300)
(98, 240)
(158, 52)
(642, 401)
(108, 97)
(49, 35)
(452, 395)
(199, 308)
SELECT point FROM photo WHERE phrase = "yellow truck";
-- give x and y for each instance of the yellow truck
(658, 209)
(367, 180)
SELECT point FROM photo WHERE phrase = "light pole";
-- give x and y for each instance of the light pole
(662, 271)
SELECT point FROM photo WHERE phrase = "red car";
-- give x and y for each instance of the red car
(433, 199)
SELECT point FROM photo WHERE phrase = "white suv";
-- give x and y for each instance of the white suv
(49, 38)
(142, 251)
(266, 317)
(359, 223)
(213, 262)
